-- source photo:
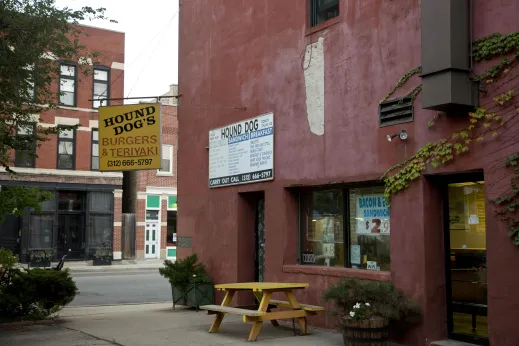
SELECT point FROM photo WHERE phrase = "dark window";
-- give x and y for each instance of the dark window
(100, 87)
(152, 215)
(101, 201)
(26, 157)
(71, 201)
(95, 150)
(323, 10)
(42, 226)
(172, 227)
(67, 149)
(29, 92)
(345, 228)
(67, 84)
(101, 206)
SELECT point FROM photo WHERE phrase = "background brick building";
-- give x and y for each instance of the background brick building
(157, 196)
(86, 211)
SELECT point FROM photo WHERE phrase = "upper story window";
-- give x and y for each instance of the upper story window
(26, 157)
(167, 160)
(323, 10)
(29, 92)
(345, 228)
(101, 87)
(95, 150)
(68, 84)
(67, 149)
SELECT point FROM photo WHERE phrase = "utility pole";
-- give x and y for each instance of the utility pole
(129, 192)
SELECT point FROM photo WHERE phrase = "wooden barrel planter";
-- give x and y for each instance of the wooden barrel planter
(372, 332)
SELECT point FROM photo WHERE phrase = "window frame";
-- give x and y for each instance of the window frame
(92, 142)
(74, 139)
(313, 15)
(32, 159)
(73, 78)
(346, 212)
(171, 157)
(107, 82)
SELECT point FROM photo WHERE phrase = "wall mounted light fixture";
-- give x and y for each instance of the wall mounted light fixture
(402, 135)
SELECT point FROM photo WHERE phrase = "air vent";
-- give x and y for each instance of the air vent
(396, 111)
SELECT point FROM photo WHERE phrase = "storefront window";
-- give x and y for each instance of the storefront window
(362, 242)
(101, 201)
(322, 218)
(369, 229)
(100, 230)
(41, 231)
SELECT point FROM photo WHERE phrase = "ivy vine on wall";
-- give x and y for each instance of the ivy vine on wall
(482, 123)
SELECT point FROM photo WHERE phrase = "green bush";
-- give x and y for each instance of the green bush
(35, 294)
(185, 271)
(385, 300)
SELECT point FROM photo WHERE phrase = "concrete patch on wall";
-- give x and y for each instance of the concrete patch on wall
(314, 86)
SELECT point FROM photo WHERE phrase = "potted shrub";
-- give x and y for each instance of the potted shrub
(40, 258)
(190, 285)
(368, 309)
(102, 256)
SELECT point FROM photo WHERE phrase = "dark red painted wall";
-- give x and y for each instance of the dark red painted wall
(237, 53)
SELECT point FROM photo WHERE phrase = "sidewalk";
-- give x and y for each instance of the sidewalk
(86, 266)
(155, 325)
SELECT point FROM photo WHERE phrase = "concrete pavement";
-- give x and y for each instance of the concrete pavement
(154, 325)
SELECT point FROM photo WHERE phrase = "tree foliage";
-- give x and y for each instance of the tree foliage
(34, 34)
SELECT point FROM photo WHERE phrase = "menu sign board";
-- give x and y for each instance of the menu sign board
(242, 152)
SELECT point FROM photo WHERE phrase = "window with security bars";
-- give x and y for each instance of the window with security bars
(26, 157)
(66, 148)
(323, 10)
(167, 161)
(95, 150)
(101, 77)
(67, 84)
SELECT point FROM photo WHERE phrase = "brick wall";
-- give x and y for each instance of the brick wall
(150, 179)
(110, 45)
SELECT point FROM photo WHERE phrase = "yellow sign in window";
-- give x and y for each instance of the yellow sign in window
(130, 137)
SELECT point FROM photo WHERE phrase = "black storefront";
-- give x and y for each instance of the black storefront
(78, 221)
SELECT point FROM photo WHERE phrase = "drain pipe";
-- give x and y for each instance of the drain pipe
(471, 34)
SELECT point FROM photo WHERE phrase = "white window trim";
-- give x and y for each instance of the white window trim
(170, 173)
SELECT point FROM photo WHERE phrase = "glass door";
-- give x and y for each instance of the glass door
(466, 263)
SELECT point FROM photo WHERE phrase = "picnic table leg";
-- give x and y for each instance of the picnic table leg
(295, 305)
(256, 327)
(219, 315)
(258, 296)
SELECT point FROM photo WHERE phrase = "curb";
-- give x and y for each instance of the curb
(121, 304)
(108, 269)
(21, 324)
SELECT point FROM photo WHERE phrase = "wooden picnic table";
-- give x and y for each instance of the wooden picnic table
(263, 292)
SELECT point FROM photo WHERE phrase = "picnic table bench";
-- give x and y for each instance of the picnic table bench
(257, 314)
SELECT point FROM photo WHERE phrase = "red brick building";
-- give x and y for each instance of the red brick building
(316, 72)
(86, 210)
(157, 197)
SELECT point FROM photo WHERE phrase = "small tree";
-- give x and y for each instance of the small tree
(33, 34)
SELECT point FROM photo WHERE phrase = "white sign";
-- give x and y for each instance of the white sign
(355, 254)
(372, 215)
(372, 265)
(242, 152)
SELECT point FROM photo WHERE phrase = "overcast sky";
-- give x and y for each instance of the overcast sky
(151, 47)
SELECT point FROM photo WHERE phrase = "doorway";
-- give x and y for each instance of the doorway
(466, 270)
(259, 258)
(152, 234)
(70, 236)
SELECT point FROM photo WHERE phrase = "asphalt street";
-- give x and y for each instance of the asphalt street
(121, 287)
